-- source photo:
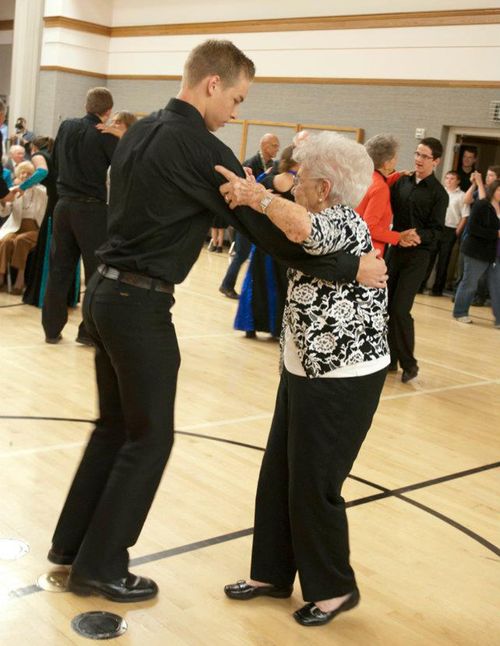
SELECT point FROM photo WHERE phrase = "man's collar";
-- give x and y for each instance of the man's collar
(187, 110)
(93, 117)
(424, 179)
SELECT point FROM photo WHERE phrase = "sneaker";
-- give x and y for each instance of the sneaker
(463, 319)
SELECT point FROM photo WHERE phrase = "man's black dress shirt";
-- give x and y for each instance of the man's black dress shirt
(165, 193)
(82, 155)
(420, 206)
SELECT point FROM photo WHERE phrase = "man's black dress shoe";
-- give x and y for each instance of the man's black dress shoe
(126, 590)
(230, 292)
(409, 374)
(392, 367)
(243, 590)
(311, 615)
(53, 340)
(60, 558)
(85, 340)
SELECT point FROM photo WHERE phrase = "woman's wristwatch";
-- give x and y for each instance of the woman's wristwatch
(265, 202)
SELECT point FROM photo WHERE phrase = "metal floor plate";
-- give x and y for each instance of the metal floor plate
(99, 625)
(54, 581)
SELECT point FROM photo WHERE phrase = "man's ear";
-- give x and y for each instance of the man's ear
(212, 83)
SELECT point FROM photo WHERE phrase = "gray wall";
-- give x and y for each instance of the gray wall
(399, 110)
(5, 65)
(61, 95)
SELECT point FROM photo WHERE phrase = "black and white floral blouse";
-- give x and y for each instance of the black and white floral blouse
(335, 325)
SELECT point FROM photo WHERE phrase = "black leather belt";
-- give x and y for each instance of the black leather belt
(85, 199)
(137, 280)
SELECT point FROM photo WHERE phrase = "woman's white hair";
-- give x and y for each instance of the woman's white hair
(342, 161)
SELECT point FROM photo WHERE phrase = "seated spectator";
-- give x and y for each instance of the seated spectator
(19, 234)
(15, 157)
(480, 252)
(375, 207)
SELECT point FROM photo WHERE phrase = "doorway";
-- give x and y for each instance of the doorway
(485, 140)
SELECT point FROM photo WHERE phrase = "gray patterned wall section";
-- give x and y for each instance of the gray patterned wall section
(396, 109)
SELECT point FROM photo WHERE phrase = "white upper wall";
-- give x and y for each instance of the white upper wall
(456, 53)
(405, 53)
(154, 12)
(98, 11)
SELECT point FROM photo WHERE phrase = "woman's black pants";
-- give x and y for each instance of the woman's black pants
(300, 521)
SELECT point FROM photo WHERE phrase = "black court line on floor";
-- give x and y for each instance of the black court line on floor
(384, 493)
(12, 305)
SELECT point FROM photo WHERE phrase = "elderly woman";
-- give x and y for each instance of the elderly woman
(19, 234)
(375, 207)
(334, 356)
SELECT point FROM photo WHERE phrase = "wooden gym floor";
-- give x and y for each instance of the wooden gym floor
(423, 495)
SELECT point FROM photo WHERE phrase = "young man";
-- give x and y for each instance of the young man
(418, 202)
(449, 237)
(164, 193)
(467, 167)
(82, 155)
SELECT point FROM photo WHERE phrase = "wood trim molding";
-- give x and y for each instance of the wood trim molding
(6, 25)
(76, 25)
(361, 21)
(296, 80)
(69, 70)
(308, 80)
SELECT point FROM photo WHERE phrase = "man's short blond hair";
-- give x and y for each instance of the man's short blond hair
(217, 57)
(99, 100)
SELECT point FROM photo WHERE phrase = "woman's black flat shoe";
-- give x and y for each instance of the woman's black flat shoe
(311, 615)
(243, 590)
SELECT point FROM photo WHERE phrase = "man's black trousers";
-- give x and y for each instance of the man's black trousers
(79, 229)
(407, 268)
(137, 360)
